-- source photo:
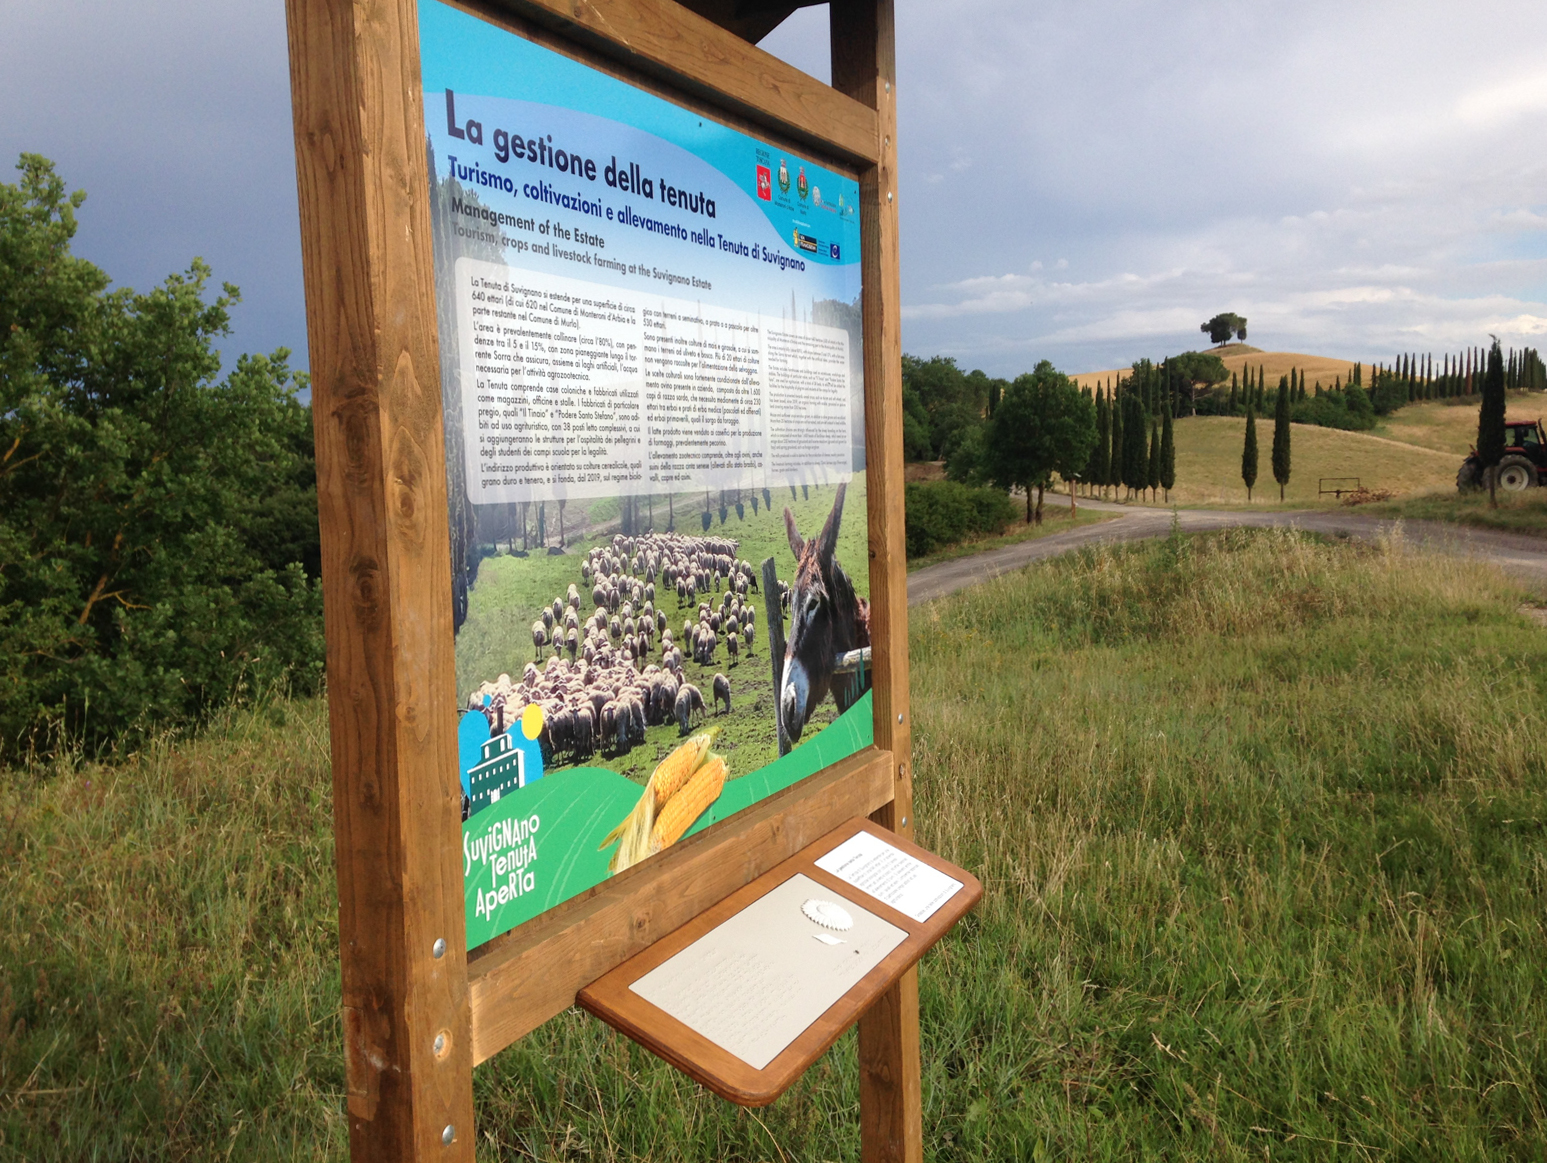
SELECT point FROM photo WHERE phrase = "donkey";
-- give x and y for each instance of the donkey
(827, 618)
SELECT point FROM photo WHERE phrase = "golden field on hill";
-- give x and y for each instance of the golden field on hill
(1238, 355)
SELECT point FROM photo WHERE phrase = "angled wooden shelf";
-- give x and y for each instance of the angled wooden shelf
(613, 999)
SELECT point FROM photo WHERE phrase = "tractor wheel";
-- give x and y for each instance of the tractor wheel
(1516, 473)
(1470, 478)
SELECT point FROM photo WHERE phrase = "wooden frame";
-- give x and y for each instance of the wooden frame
(418, 1011)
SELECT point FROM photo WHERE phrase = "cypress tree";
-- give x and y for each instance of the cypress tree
(1281, 442)
(1103, 454)
(1262, 385)
(1154, 458)
(1249, 452)
(1490, 421)
(1135, 450)
(1232, 393)
(1167, 454)
(1115, 461)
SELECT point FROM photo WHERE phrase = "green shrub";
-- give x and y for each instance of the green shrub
(157, 523)
(941, 513)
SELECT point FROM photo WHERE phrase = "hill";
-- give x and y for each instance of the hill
(1237, 355)
(1208, 461)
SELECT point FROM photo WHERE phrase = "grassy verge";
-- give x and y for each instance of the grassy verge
(1055, 519)
(1524, 512)
(1261, 822)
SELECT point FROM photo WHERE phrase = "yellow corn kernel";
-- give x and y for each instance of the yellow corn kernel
(688, 804)
(678, 767)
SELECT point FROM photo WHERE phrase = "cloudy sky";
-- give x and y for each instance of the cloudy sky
(1081, 182)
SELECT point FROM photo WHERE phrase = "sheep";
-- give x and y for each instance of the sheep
(732, 647)
(722, 693)
(547, 619)
(539, 637)
(748, 633)
(689, 703)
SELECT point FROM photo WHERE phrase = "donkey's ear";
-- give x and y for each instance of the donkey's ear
(797, 543)
(827, 540)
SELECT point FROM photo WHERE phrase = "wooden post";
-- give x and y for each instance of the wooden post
(773, 610)
(381, 486)
(864, 67)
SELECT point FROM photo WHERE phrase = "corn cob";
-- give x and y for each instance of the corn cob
(688, 804)
(678, 767)
(669, 775)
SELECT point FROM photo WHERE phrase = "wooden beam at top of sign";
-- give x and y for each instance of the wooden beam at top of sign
(666, 40)
(519, 981)
(749, 19)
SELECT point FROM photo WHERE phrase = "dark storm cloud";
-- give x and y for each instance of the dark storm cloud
(175, 119)
(1081, 182)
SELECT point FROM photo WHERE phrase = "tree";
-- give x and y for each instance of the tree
(1232, 393)
(948, 400)
(1135, 449)
(1220, 328)
(156, 523)
(1167, 454)
(1490, 421)
(1281, 439)
(1116, 406)
(1101, 454)
(1249, 452)
(1154, 459)
(1044, 425)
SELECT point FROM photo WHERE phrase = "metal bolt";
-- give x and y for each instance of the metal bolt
(440, 1044)
(899, 718)
(905, 821)
(449, 1135)
(888, 195)
(438, 950)
(888, 86)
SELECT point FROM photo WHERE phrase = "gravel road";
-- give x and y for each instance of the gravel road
(1525, 557)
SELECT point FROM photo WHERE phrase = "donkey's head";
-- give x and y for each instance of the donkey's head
(823, 620)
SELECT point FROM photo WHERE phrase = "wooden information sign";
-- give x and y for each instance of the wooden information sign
(603, 314)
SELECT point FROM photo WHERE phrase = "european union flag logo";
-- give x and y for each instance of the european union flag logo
(832, 251)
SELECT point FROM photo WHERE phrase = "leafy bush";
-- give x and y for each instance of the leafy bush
(1330, 411)
(941, 513)
(156, 525)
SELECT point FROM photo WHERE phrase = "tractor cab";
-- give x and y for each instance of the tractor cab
(1527, 437)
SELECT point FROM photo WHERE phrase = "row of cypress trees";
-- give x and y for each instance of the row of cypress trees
(1132, 451)
(1281, 440)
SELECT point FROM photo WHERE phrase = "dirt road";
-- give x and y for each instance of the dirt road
(1525, 557)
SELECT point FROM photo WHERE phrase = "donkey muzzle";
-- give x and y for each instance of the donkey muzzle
(792, 699)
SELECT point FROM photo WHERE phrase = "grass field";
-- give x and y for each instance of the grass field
(1261, 823)
(1208, 462)
(1055, 519)
(1450, 426)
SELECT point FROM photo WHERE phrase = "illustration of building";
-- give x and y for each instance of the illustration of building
(501, 770)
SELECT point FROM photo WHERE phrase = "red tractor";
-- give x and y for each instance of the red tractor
(1524, 465)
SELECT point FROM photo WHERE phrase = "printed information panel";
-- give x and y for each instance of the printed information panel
(650, 366)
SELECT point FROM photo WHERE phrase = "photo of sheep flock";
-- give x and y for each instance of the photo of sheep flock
(630, 641)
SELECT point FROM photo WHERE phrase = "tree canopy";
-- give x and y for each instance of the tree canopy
(1198, 367)
(158, 536)
(941, 403)
(1220, 328)
(1043, 425)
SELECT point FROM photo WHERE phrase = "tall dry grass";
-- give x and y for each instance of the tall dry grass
(1260, 821)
